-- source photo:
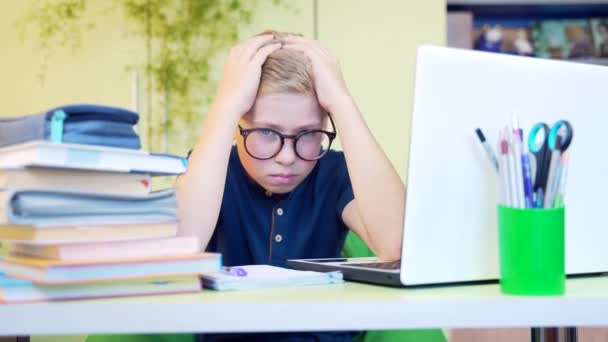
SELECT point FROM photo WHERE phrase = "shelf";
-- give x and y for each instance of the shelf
(527, 2)
(539, 21)
(595, 61)
(530, 10)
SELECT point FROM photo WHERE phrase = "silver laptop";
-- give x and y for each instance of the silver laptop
(450, 230)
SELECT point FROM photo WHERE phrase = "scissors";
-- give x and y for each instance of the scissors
(554, 139)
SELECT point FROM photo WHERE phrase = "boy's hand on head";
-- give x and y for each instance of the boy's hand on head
(241, 75)
(330, 86)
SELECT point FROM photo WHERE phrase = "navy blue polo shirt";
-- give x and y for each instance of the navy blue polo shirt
(259, 227)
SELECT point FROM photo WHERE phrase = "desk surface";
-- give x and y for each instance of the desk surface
(349, 306)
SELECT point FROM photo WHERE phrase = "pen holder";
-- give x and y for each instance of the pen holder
(532, 251)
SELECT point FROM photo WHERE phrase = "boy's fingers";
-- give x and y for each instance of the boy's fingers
(320, 49)
(254, 44)
(260, 56)
(293, 38)
(306, 49)
(325, 51)
(299, 41)
(310, 42)
(299, 47)
(312, 46)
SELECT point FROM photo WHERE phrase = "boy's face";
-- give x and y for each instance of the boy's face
(287, 114)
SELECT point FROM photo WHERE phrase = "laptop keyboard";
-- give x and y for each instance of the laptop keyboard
(383, 265)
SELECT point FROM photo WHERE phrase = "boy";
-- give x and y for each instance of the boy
(281, 193)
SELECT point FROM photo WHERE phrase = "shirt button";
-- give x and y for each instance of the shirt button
(278, 238)
(268, 193)
(280, 212)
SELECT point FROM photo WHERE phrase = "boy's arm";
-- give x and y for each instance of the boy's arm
(376, 215)
(200, 189)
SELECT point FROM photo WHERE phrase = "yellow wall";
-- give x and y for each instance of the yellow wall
(376, 43)
(374, 40)
(95, 74)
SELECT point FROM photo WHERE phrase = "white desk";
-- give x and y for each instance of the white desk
(351, 306)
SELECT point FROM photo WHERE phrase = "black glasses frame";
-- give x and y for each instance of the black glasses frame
(245, 132)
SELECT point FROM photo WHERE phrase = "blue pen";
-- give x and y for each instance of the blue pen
(527, 172)
(235, 271)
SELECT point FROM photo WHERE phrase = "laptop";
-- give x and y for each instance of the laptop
(450, 225)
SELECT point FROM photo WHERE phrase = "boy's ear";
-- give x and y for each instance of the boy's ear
(237, 134)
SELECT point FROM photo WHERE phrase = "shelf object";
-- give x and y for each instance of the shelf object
(574, 30)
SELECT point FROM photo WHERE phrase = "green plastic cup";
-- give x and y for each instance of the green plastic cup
(532, 251)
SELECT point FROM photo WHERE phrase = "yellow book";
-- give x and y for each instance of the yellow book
(75, 180)
(84, 234)
(66, 272)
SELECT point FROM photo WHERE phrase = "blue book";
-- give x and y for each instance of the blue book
(21, 291)
(6, 281)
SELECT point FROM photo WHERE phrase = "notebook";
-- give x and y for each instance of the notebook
(266, 276)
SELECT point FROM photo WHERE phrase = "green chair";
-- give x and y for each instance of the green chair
(353, 247)
(142, 338)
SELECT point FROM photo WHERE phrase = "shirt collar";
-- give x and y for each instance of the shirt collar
(261, 191)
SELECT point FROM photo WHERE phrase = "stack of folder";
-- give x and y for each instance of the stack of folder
(250, 277)
(80, 221)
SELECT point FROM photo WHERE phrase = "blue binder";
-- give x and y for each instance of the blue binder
(80, 124)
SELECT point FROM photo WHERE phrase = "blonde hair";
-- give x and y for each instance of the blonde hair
(286, 71)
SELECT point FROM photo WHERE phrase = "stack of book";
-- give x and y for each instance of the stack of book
(80, 221)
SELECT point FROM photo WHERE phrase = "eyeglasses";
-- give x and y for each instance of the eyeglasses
(266, 143)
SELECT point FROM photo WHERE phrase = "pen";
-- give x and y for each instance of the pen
(527, 172)
(559, 198)
(511, 171)
(503, 170)
(235, 271)
(487, 147)
(553, 174)
(540, 197)
(517, 153)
